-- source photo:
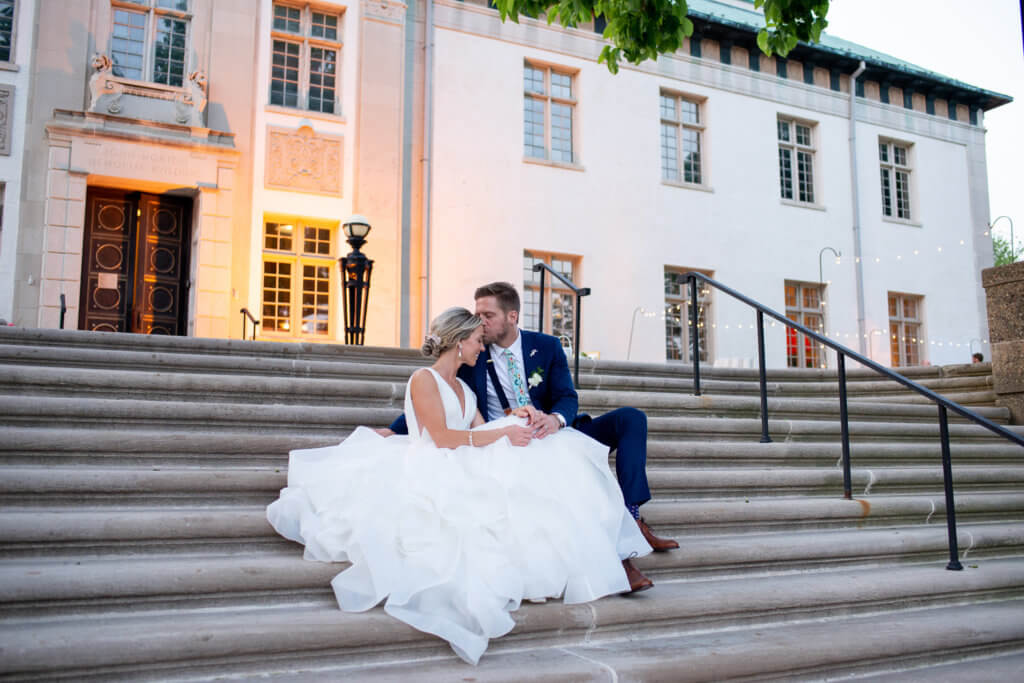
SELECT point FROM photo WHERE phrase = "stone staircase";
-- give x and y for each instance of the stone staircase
(134, 473)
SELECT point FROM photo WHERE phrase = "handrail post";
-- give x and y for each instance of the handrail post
(844, 426)
(63, 310)
(247, 314)
(947, 481)
(576, 345)
(694, 337)
(540, 318)
(765, 438)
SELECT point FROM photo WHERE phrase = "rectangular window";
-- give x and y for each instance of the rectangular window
(559, 300)
(804, 306)
(305, 47)
(6, 30)
(677, 316)
(894, 166)
(905, 340)
(549, 104)
(298, 272)
(150, 43)
(682, 135)
(796, 160)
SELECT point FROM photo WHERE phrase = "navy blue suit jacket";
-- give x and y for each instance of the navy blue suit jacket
(541, 353)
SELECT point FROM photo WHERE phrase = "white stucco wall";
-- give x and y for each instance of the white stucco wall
(489, 204)
(316, 207)
(16, 74)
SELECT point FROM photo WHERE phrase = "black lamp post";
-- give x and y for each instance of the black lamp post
(355, 279)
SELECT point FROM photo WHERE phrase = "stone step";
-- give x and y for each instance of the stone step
(786, 385)
(728, 406)
(977, 669)
(689, 483)
(683, 518)
(106, 447)
(279, 638)
(88, 485)
(937, 644)
(863, 453)
(21, 345)
(124, 527)
(183, 416)
(42, 588)
(111, 343)
(31, 381)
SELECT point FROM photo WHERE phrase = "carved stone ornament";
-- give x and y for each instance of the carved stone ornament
(190, 104)
(6, 115)
(303, 160)
(390, 10)
(189, 101)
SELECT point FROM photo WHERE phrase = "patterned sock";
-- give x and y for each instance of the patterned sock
(634, 510)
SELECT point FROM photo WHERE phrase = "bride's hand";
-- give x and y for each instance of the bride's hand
(527, 411)
(518, 436)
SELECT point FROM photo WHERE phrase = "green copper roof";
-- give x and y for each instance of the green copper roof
(753, 21)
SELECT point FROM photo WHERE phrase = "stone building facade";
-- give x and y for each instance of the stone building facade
(186, 159)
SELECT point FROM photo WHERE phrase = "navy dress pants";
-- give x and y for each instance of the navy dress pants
(625, 430)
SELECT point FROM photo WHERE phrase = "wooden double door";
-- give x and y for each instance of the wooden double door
(135, 263)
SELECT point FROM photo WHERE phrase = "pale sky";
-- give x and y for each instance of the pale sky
(977, 42)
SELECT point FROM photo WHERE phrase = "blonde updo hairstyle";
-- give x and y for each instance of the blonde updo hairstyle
(448, 329)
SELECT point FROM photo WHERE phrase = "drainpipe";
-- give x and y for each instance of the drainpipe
(408, 120)
(428, 134)
(857, 261)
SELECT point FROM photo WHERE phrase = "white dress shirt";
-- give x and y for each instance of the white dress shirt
(494, 409)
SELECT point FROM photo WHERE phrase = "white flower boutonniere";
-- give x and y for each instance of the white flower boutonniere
(536, 378)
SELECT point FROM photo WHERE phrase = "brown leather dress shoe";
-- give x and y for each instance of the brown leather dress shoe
(637, 581)
(659, 545)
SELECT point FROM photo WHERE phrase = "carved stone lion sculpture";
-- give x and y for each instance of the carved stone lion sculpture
(194, 99)
(99, 84)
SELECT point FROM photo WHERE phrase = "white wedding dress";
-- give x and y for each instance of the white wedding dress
(454, 539)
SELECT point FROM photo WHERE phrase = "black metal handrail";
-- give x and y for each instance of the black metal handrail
(246, 314)
(63, 309)
(580, 292)
(944, 404)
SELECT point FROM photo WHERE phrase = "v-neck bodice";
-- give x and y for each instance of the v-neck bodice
(456, 415)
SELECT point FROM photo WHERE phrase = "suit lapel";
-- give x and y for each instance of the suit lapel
(530, 361)
(480, 381)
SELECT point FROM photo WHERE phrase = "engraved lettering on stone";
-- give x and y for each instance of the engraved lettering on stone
(302, 160)
(142, 163)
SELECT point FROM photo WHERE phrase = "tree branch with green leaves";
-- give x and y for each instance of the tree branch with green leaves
(1005, 253)
(639, 30)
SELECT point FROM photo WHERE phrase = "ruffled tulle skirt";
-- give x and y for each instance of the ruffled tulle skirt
(455, 539)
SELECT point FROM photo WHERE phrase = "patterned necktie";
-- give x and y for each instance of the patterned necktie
(518, 385)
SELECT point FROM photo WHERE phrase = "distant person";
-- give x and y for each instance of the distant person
(977, 358)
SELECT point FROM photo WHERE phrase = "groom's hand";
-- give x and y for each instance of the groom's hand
(527, 411)
(545, 424)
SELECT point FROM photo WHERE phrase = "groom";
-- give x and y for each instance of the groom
(519, 367)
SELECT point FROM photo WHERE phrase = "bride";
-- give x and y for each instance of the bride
(457, 523)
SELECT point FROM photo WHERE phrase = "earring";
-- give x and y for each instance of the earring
(460, 351)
